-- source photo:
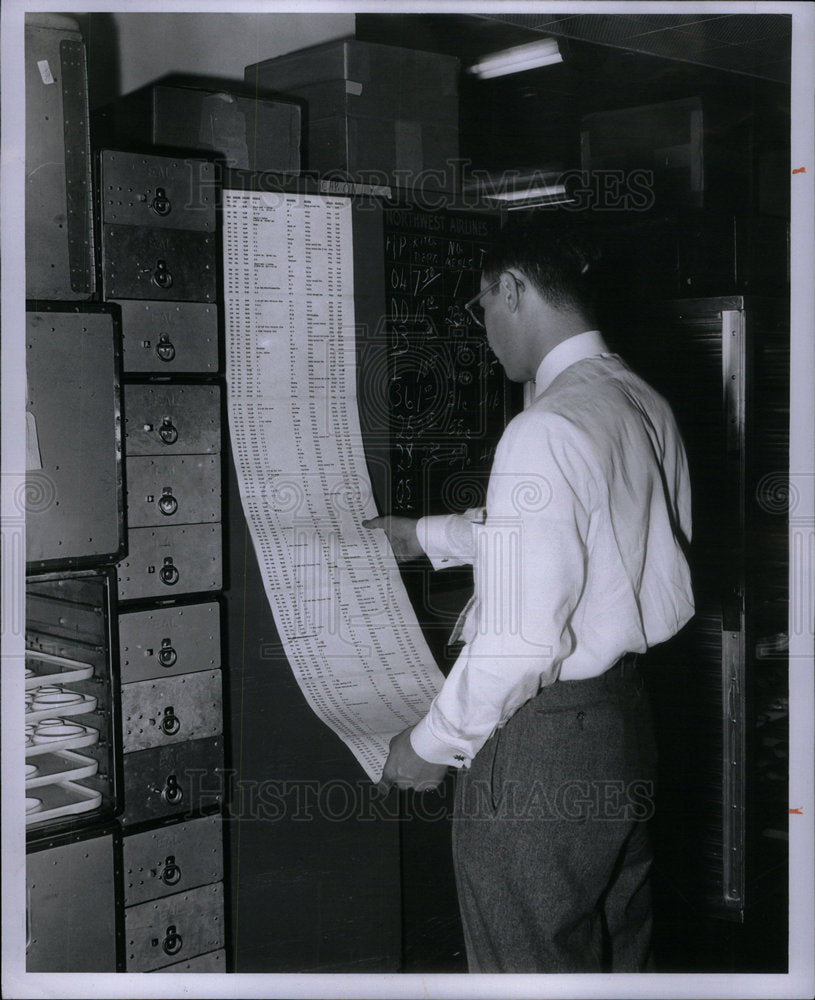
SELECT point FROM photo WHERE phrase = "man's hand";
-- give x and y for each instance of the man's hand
(406, 769)
(401, 532)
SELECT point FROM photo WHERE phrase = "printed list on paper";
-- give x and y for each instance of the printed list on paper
(347, 626)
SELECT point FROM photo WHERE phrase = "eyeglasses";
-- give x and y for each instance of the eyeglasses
(474, 307)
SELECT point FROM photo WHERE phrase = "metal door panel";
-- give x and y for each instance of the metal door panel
(166, 562)
(214, 961)
(170, 710)
(73, 495)
(173, 489)
(184, 925)
(162, 192)
(172, 419)
(163, 337)
(163, 264)
(59, 245)
(173, 859)
(71, 908)
(164, 642)
(62, 618)
(173, 780)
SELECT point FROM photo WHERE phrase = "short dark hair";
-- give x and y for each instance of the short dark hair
(557, 257)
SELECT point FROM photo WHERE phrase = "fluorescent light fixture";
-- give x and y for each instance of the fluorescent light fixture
(542, 193)
(515, 60)
(512, 190)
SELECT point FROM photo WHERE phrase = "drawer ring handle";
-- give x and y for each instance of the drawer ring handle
(172, 942)
(167, 503)
(172, 792)
(168, 432)
(162, 275)
(170, 724)
(161, 203)
(165, 347)
(169, 572)
(167, 656)
(172, 872)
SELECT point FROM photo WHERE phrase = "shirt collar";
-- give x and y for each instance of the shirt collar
(567, 352)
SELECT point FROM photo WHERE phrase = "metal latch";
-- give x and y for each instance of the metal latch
(169, 572)
(165, 348)
(161, 203)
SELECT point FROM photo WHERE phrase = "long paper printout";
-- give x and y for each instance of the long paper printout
(348, 628)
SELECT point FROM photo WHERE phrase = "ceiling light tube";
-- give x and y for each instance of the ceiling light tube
(517, 59)
(520, 53)
(550, 191)
(489, 74)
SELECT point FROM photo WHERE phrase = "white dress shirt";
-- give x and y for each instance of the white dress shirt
(578, 558)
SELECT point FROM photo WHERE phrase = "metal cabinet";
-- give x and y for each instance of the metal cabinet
(141, 263)
(160, 250)
(158, 227)
(213, 961)
(183, 489)
(71, 905)
(170, 710)
(173, 444)
(172, 419)
(74, 510)
(71, 715)
(168, 338)
(163, 562)
(172, 859)
(162, 642)
(723, 364)
(158, 192)
(173, 780)
(59, 245)
(163, 931)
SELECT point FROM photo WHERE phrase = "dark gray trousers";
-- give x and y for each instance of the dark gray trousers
(550, 840)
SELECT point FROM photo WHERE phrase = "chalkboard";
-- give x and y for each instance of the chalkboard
(448, 398)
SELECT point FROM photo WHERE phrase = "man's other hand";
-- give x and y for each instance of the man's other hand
(401, 532)
(406, 769)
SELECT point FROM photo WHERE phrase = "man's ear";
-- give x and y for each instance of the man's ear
(511, 289)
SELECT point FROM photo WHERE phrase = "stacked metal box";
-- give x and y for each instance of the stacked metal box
(159, 264)
(234, 126)
(59, 222)
(123, 679)
(376, 113)
(73, 527)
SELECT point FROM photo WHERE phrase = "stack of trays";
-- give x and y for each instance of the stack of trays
(54, 729)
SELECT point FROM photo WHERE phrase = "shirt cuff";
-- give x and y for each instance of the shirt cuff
(433, 750)
(447, 539)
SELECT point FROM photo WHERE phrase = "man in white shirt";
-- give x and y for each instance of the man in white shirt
(578, 564)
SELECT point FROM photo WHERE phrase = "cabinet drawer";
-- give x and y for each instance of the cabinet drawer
(165, 931)
(163, 562)
(169, 337)
(215, 961)
(162, 192)
(73, 494)
(173, 489)
(164, 642)
(164, 264)
(170, 710)
(173, 859)
(172, 419)
(170, 781)
(71, 904)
